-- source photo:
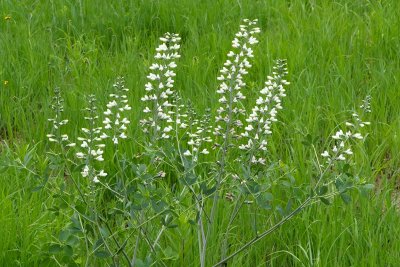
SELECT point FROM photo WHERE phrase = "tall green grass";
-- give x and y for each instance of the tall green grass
(337, 51)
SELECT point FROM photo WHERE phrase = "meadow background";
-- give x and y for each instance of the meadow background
(337, 52)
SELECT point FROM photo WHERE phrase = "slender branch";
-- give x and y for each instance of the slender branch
(120, 249)
(155, 244)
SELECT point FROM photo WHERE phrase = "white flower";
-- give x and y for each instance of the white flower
(191, 142)
(243, 147)
(338, 135)
(102, 173)
(325, 154)
(112, 104)
(84, 144)
(341, 157)
(205, 152)
(167, 129)
(348, 151)
(253, 40)
(249, 128)
(115, 140)
(85, 171)
(162, 47)
(107, 121)
(223, 100)
(125, 121)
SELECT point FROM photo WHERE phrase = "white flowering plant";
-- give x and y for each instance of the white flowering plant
(99, 199)
(125, 207)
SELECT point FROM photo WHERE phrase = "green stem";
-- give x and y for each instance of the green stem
(120, 249)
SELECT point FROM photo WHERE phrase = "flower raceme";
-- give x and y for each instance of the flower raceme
(116, 121)
(199, 135)
(196, 129)
(341, 149)
(264, 114)
(159, 89)
(232, 80)
(181, 113)
(58, 107)
(92, 148)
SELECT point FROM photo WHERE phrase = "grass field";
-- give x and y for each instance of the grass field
(337, 52)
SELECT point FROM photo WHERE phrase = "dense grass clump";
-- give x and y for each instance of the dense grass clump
(193, 191)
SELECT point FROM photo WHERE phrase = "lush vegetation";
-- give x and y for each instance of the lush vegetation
(337, 52)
